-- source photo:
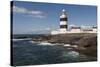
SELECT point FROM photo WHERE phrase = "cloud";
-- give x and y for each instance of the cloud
(39, 16)
(72, 25)
(40, 31)
(34, 13)
(19, 10)
(43, 29)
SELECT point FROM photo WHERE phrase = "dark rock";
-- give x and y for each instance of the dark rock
(87, 42)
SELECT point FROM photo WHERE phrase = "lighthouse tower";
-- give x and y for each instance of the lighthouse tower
(63, 22)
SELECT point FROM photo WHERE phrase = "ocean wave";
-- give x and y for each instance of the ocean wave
(33, 42)
(42, 43)
(72, 54)
(46, 43)
(67, 45)
(21, 39)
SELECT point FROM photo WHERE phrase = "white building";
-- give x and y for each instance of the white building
(55, 32)
(94, 29)
(75, 30)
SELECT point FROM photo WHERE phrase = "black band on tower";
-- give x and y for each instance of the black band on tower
(63, 26)
(63, 19)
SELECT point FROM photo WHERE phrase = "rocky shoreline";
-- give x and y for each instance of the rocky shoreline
(86, 42)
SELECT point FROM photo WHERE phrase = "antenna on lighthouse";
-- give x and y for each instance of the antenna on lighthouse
(63, 10)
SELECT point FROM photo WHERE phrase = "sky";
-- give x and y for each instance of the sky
(41, 18)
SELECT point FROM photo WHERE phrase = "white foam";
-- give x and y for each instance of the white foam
(21, 39)
(46, 43)
(31, 41)
(74, 46)
(67, 45)
(73, 53)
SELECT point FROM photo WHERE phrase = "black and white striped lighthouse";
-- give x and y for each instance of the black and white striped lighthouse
(63, 22)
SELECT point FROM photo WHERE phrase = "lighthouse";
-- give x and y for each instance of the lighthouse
(63, 22)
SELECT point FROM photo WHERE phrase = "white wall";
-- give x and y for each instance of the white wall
(54, 32)
(75, 31)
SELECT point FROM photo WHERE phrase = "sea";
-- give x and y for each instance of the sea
(27, 52)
